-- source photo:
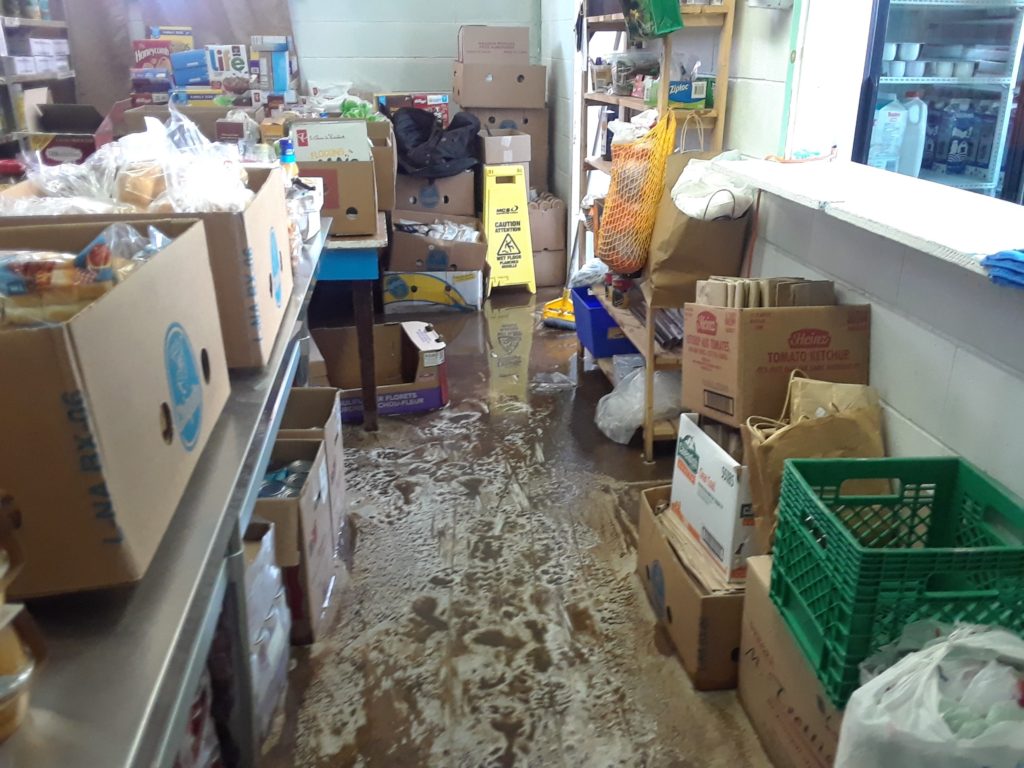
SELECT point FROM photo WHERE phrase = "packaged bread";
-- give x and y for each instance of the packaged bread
(140, 184)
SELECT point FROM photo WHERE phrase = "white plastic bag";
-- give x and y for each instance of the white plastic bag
(621, 412)
(954, 704)
(706, 194)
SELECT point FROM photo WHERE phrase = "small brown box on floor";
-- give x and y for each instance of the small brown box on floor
(547, 224)
(549, 268)
(304, 551)
(490, 85)
(483, 44)
(793, 716)
(532, 121)
(703, 622)
(451, 196)
(314, 413)
(418, 253)
(350, 195)
(108, 411)
(736, 362)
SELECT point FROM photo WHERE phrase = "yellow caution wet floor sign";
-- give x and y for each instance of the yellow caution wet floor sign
(507, 223)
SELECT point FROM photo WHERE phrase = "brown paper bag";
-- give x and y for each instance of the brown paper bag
(855, 434)
(812, 399)
(684, 250)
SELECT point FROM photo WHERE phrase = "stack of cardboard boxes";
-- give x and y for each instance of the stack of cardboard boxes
(698, 544)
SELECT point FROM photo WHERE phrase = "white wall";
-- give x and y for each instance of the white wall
(945, 345)
(757, 79)
(394, 45)
(557, 53)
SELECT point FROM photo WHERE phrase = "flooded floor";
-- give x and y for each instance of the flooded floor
(492, 616)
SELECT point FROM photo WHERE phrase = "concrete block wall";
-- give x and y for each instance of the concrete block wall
(394, 45)
(557, 53)
(946, 355)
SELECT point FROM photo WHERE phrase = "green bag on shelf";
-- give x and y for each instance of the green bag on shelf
(651, 18)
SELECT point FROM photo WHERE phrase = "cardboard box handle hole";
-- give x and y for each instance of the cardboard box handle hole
(413, 289)
(204, 362)
(166, 425)
(520, 78)
(668, 614)
(352, 213)
(446, 199)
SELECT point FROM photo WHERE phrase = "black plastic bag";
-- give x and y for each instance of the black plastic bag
(427, 150)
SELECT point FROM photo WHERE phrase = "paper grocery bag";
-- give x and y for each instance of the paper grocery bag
(684, 250)
(811, 398)
(854, 434)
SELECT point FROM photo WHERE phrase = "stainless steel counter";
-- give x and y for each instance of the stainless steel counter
(124, 663)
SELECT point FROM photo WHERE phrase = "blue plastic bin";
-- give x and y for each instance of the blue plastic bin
(596, 329)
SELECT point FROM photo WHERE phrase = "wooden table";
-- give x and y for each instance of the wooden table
(356, 260)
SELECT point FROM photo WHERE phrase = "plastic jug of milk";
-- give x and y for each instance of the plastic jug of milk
(912, 149)
(887, 135)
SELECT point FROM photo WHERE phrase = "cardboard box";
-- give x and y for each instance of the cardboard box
(736, 362)
(549, 268)
(152, 53)
(409, 361)
(790, 711)
(147, 99)
(711, 500)
(46, 64)
(189, 59)
(227, 60)
(18, 65)
(547, 224)
(350, 195)
(191, 77)
(314, 413)
(205, 118)
(701, 614)
(61, 47)
(69, 133)
(532, 121)
(250, 255)
(504, 145)
(96, 450)
(484, 44)
(303, 545)
(491, 85)
(385, 162)
(451, 196)
(331, 141)
(431, 102)
(413, 291)
(180, 38)
(417, 253)
(41, 46)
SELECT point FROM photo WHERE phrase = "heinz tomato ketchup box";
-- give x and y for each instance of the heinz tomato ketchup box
(737, 362)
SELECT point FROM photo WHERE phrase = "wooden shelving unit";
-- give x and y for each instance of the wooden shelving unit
(642, 333)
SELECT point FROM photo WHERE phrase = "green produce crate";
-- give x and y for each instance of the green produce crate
(907, 539)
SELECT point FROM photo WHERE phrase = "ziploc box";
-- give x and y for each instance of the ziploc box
(410, 363)
(250, 255)
(109, 411)
(711, 499)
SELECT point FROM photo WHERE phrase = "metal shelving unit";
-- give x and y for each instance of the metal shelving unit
(16, 22)
(694, 16)
(124, 664)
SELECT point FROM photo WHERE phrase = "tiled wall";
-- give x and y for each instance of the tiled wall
(394, 45)
(557, 51)
(946, 352)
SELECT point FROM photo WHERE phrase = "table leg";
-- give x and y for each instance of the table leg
(362, 296)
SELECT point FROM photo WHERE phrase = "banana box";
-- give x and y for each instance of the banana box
(410, 363)
(455, 290)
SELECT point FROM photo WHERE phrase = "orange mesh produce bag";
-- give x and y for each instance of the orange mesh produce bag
(638, 172)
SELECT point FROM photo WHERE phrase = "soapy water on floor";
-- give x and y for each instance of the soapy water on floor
(492, 616)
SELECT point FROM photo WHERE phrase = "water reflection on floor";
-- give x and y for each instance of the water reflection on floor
(492, 617)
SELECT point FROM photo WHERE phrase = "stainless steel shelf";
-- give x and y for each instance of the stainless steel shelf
(1011, 4)
(36, 78)
(124, 663)
(968, 82)
(955, 180)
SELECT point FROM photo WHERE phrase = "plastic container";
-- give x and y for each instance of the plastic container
(944, 542)
(889, 51)
(596, 329)
(887, 134)
(943, 68)
(963, 69)
(909, 51)
(897, 69)
(915, 68)
(915, 135)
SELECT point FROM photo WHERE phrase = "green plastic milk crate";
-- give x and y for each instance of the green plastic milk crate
(866, 546)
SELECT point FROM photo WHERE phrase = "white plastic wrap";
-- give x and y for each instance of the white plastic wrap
(958, 703)
(621, 412)
(706, 194)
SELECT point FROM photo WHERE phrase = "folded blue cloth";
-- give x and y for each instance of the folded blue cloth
(1005, 268)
